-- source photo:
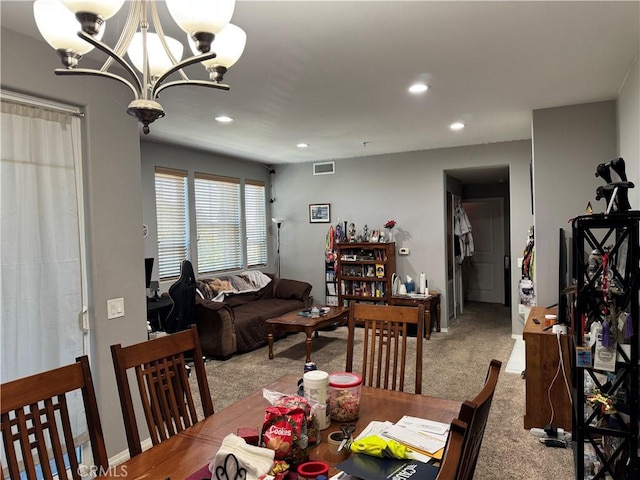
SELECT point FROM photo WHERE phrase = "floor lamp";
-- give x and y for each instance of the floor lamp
(278, 221)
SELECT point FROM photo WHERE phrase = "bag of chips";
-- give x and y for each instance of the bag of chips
(284, 430)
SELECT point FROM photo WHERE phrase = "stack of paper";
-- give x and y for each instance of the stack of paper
(421, 435)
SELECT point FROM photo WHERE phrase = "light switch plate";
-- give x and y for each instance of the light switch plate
(115, 308)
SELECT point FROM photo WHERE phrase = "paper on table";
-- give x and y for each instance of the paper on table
(378, 428)
(423, 425)
(429, 443)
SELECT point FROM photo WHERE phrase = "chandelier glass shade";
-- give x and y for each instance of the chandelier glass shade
(74, 27)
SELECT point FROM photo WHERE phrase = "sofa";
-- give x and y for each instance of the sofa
(235, 322)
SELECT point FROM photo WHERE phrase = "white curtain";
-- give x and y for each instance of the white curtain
(42, 276)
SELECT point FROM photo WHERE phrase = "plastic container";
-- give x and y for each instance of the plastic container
(312, 470)
(344, 396)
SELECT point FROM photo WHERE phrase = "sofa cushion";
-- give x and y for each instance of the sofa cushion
(237, 299)
(293, 289)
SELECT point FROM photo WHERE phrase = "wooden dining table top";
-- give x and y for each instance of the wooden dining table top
(187, 452)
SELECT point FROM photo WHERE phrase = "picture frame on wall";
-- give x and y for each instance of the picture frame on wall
(319, 213)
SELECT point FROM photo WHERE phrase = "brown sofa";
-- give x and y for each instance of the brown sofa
(238, 324)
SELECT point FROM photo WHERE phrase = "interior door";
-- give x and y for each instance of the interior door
(483, 273)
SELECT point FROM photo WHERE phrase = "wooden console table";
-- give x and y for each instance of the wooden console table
(431, 308)
(542, 359)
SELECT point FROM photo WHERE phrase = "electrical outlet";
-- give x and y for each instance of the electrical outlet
(115, 308)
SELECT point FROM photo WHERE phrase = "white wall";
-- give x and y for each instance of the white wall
(113, 201)
(408, 187)
(628, 129)
(568, 145)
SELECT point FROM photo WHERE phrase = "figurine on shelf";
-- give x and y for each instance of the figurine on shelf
(365, 233)
(352, 232)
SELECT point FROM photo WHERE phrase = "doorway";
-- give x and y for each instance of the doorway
(484, 277)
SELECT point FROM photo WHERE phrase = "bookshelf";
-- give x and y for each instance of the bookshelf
(364, 272)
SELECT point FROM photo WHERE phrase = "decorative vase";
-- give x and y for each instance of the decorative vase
(389, 235)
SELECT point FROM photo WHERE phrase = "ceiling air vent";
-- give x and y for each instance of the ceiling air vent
(324, 168)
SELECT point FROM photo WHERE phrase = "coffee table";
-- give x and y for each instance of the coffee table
(292, 322)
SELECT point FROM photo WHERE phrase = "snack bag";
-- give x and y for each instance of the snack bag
(284, 430)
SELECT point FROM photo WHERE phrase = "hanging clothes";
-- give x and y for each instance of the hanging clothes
(462, 232)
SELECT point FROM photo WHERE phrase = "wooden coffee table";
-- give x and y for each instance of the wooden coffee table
(292, 322)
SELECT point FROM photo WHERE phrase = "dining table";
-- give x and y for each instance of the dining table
(186, 455)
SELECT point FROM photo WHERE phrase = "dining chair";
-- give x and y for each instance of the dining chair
(37, 424)
(452, 457)
(385, 347)
(161, 372)
(475, 414)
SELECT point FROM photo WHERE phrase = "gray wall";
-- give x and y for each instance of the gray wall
(628, 127)
(113, 202)
(169, 156)
(408, 187)
(568, 144)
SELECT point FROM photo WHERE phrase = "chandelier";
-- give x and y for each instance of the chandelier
(74, 27)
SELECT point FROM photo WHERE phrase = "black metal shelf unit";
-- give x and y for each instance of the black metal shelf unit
(606, 266)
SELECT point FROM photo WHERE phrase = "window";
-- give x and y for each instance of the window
(218, 220)
(256, 223)
(172, 212)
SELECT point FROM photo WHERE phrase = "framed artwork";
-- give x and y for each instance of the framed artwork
(319, 213)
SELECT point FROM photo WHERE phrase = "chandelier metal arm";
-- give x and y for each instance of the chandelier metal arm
(98, 73)
(106, 49)
(198, 83)
(179, 66)
(157, 24)
(129, 29)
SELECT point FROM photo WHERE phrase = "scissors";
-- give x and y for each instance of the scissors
(347, 430)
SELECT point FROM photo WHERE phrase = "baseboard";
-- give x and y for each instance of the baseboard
(123, 456)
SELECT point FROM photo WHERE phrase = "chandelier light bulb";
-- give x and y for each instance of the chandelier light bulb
(92, 14)
(201, 19)
(158, 59)
(228, 46)
(59, 27)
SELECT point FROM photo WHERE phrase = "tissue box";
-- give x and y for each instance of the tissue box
(250, 435)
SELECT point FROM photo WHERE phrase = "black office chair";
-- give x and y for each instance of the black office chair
(183, 296)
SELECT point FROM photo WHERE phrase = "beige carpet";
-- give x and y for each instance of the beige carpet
(455, 365)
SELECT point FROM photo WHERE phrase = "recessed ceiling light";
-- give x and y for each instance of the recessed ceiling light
(457, 126)
(302, 145)
(418, 88)
(224, 119)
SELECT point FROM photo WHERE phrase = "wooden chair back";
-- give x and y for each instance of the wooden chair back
(385, 344)
(36, 425)
(475, 414)
(161, 373)
(452, 457)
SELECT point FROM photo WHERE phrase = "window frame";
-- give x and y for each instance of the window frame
(255, 221)
(170, 257)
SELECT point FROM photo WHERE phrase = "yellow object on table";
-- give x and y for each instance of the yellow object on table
(376, 446)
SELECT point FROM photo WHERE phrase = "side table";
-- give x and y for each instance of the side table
(431, 308)
(157, 311)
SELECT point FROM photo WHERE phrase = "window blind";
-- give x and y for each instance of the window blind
(218, 220)
(172, 213)
(255, 222)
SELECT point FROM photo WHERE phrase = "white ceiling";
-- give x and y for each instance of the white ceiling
(334, 74)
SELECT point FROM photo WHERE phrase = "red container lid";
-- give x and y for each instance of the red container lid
(344, 379)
